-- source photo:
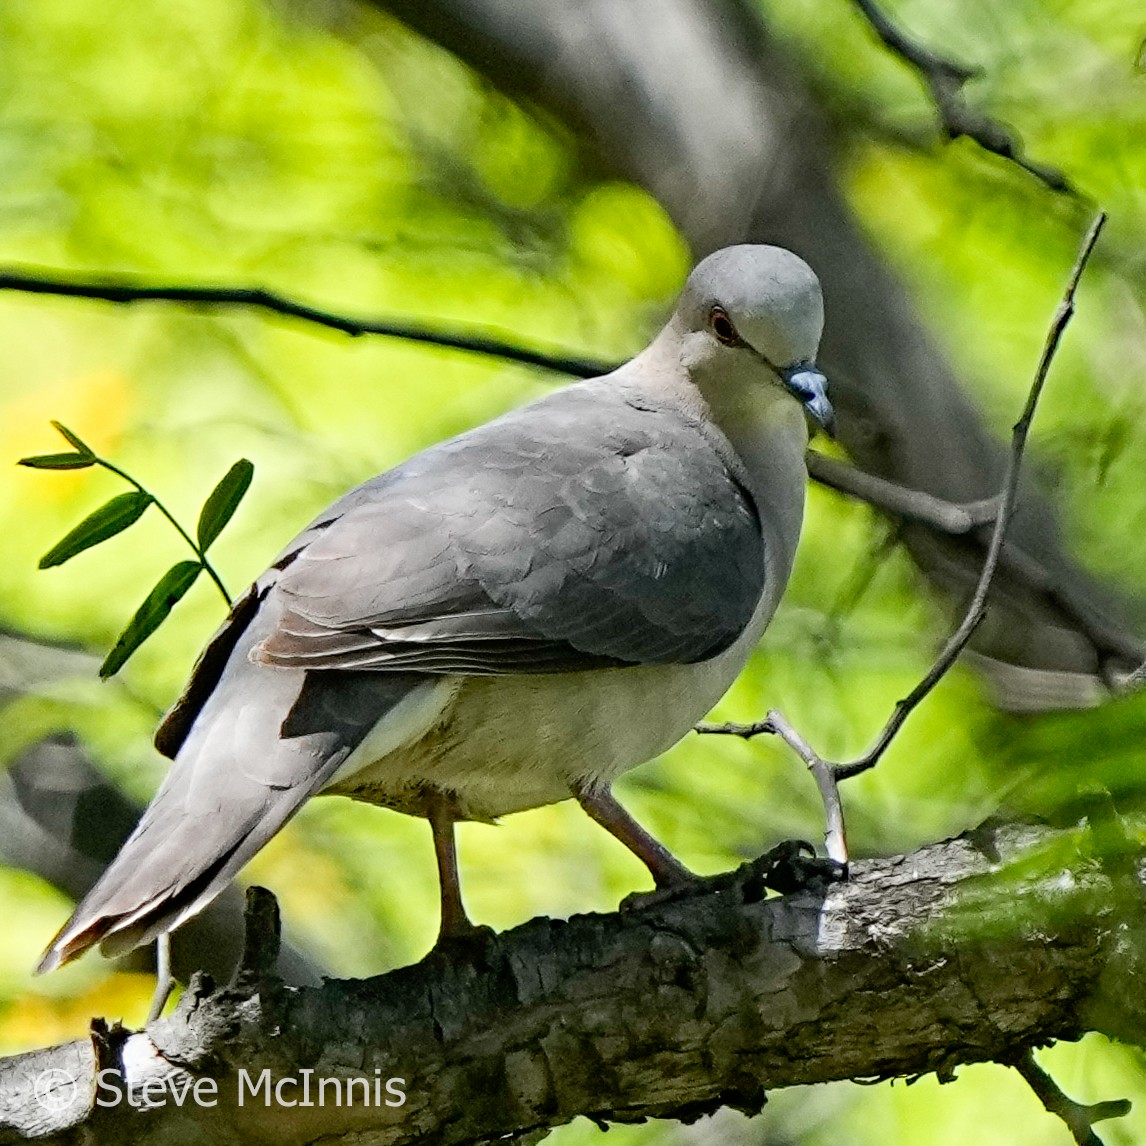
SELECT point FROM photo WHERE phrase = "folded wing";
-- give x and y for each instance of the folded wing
(594, 528)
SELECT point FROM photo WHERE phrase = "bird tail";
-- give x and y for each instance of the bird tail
(253, 756)
(165, 873)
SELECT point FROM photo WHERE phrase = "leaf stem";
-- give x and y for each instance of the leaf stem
(208, 568)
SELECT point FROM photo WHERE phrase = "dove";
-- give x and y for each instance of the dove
(510, 618)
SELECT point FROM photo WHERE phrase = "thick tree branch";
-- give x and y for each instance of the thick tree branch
(918, 963)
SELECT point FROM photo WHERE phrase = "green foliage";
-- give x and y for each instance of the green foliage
(222, 502)
(57, 462)
(170, 590)
(111, 518)
(123, 511)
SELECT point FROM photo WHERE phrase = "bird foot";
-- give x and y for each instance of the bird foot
(461, 944)
(789, 867)
(793, 866)
(636, 900)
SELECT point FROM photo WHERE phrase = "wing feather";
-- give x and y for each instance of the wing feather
(593, 528)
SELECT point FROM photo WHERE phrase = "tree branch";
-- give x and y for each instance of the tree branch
(918, 963)
(1079, 1118)
(126, 290)
(977, 609)
(897, 500)
(945, 80)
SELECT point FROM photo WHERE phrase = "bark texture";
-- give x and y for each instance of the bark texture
(965, 951)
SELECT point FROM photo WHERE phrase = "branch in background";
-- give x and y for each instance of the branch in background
(958, 519)
(123, 290)
(911, 504)
(667, 1010)
(1079, 1118)
(828, 773)
(946, 79)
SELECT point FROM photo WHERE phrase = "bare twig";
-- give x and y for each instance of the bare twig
(945, 79)
(911, 504)
(829, 774)
(122, 290)
(1079, 1118)
(977, 609)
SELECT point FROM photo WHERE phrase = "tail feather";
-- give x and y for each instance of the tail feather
(265, 741)
(149, 889)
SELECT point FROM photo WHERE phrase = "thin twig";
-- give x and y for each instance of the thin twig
(1079, 1118)
(828, 774)
(823, 772)
(977, 609)
(122, 290)
(945, 79)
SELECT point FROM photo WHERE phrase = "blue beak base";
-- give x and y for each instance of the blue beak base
(805, 382)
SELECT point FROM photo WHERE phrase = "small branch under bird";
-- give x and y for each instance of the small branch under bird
(511, 618)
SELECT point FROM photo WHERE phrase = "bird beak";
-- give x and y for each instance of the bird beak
(805, 382)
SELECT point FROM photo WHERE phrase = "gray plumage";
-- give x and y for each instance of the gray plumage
(596, 527)
(535, 605)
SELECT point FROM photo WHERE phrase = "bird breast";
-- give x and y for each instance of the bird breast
(502, 744)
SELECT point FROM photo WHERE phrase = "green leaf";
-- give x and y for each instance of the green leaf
(111, 518)
(220, 506)
(57, 462)
(75, 440)
(172, 586)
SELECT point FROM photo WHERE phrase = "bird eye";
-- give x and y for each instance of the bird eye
(722, 326)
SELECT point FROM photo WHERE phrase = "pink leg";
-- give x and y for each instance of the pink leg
(455, 922)
(667, 871)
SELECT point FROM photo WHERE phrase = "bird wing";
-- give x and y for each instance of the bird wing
(597, 527)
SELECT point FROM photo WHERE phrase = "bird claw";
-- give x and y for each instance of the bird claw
(789, 867)
(793, 866)
(462, 945)
(636, 900)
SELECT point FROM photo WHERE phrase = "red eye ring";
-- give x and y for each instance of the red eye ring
(722, 326)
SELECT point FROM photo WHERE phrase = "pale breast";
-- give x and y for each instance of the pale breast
(502, 744)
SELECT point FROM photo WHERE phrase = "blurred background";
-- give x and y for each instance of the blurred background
(554, 188)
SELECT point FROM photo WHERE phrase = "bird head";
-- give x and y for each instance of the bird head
(751, 316)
